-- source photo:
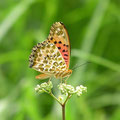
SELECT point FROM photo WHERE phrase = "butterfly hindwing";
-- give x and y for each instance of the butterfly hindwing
(46, 58)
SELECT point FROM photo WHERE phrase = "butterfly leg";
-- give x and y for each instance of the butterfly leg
(50, 79)
(66, 79)
(61, 80)
(43, 76)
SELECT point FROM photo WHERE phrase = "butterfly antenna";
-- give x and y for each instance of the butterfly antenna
(77, 66)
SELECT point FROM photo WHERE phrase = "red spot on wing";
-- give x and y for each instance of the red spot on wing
(64, 52)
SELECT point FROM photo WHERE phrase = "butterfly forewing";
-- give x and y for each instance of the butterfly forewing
(59, 36)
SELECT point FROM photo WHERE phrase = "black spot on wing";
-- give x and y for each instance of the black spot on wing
(55, 42)
(59, 48)
(60, 42)
(65, 54)
(51, 38)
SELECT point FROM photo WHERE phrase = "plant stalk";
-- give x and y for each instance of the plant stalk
(63, 112)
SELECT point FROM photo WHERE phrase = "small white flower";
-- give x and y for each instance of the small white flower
(37, 88)
(60, 98)
(43, 85)
(62, 88)
(70, 89)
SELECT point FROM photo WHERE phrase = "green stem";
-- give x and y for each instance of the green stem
(63, 112)
(67, 98)
(55, 98)
(63, 107)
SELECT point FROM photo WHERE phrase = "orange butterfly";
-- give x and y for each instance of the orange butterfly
(52, 57)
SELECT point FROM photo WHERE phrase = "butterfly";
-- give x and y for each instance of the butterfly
(52, 57)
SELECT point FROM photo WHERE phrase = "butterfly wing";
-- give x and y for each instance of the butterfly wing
(46, 58)
(59, 36)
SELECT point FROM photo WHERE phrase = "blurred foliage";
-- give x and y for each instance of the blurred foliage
(94, 30)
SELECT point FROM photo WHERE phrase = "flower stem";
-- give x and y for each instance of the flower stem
(63, 107)
(67, 99)
(63, 112)
(55, 98)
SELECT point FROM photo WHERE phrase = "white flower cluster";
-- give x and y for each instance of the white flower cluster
(64, 88)
(68, 89)
(44, 87)
(80, 89)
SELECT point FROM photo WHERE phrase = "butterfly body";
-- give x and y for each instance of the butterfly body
(52, 56)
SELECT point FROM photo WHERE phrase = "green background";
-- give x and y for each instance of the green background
(94, 30)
